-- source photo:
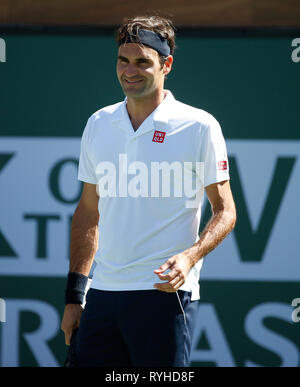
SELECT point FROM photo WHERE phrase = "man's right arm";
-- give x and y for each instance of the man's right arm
(84, 244)
(84, 231)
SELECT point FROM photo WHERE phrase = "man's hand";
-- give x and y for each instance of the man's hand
(219, 226)
(179, 266)
(71, 320)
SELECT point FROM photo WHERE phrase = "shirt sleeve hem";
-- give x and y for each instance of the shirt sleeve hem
(218, 179)
(87, 180)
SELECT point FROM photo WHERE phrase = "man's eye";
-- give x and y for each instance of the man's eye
(143, 62)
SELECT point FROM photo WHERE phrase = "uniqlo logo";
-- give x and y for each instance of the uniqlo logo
(158, 136)
(222, 165)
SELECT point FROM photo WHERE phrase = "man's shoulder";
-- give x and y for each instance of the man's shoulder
(107, 112)
(101, 119)
(192, 113)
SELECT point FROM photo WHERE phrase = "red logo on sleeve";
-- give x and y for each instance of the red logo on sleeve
(158, 136)
(222, 165)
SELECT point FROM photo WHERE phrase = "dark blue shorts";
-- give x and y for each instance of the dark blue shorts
(144, 328)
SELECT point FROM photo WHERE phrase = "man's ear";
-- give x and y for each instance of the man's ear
(168, 65)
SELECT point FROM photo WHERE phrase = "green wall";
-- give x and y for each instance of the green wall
(51, 83)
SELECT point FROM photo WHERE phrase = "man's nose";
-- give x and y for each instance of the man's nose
(131, 70)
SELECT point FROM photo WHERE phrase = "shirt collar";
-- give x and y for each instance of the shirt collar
(160, 114)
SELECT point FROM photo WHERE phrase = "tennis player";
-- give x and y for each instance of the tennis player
(135, 218)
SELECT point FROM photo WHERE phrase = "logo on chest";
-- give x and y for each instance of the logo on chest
(158, 136)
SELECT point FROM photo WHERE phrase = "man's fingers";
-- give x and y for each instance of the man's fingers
(71, 320)
(167, 265)
(68, 333)
(171, 286)
(175, 277)
(169, 276)
(68, 338)
(164, 287)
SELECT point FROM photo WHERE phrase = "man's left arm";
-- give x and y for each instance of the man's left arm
(219, 226)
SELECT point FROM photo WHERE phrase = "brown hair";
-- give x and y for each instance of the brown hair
(162, 26)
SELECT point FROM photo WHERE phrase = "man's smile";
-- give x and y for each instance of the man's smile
(132, 82)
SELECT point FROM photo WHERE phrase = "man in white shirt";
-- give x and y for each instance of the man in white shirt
(139, 212)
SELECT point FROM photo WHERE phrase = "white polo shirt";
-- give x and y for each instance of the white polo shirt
(151, 184)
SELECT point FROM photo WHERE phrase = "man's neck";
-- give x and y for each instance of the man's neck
(140, 109)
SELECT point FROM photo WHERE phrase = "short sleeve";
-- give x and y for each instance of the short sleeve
(86, 171)
(214, 154)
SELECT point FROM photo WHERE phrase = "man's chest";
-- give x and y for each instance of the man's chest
(158, 145)
(159, 162)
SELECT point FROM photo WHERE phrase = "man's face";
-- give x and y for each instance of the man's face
(139, 70)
